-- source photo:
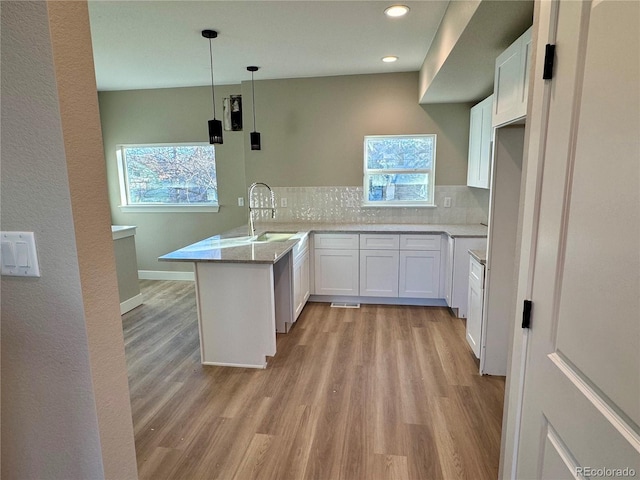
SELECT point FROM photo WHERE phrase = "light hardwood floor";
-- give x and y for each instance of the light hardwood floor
(380, 392)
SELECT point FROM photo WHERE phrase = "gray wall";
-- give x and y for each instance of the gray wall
(65, 399)
(312, 135)
(313, 128)
(165, 116)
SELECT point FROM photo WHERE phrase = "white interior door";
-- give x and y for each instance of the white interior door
(581, 402)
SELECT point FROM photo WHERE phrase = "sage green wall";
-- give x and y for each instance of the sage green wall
(164, 116)
(312, 135)
(313, 128)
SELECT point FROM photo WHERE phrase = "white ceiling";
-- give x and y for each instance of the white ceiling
(158, 44)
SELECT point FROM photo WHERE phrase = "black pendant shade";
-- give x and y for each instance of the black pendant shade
(255, 140)
(215, 131)
(255, 136)
(215, 126)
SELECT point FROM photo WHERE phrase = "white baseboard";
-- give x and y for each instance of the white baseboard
(130, 304)
(165, 275)
(425, 302)
(239, 365)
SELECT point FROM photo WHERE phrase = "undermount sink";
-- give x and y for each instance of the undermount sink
(274, 237)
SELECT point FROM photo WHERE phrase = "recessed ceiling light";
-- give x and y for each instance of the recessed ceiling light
(396, 11)
(389, 59)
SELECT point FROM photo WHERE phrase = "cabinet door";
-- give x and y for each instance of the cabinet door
(303, 273)
(336, 272)
(475, 145)
(296, 284)
(484, 167)
(419, 274)
(511, 81)
(525, 66)
(448, 282)
(297, 288)
(475, 302)
(506, 85)
(379, 273)
(458, 268)
(479, 164)
(301, 280)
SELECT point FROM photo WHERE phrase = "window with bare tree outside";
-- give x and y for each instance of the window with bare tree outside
(166, 176)
(399, 170)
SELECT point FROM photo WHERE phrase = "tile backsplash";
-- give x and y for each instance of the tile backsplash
(344, 205)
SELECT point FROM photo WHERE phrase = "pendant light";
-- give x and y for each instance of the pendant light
(255, 136)
(215, 126)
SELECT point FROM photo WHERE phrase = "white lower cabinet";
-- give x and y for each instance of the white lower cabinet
(379, 273)
(401, 266)
(379, 264)
(336, 264)
(457, 271)
(475, 305)
(419, 275)
(300, 281)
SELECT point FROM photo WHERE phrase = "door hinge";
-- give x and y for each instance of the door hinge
(526, 314)
(549, 57)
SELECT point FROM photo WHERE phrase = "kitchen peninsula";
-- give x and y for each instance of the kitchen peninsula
(246, 285)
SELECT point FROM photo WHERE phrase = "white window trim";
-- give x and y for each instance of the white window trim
(156, 207)
(391, 204)
(169, 208)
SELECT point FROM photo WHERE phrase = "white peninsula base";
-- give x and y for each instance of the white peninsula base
(238, 307)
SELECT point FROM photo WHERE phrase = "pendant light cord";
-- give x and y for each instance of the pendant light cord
(213, 91)
(253, 94)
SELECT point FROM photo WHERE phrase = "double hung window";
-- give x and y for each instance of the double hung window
(399, 170)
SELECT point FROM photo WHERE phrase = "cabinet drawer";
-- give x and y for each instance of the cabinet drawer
(419, 242)
(379, 241)
(476, 273)
(336, 241)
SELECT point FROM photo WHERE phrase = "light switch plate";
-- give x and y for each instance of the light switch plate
(18, 255)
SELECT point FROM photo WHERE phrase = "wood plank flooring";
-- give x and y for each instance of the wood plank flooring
(380, 392)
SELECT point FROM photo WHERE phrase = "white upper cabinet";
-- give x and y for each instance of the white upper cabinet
(510, 87)
(480, 127)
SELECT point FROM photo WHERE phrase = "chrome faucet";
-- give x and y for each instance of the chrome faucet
(252, 228)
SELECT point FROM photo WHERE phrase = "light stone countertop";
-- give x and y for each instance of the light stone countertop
(479, 255)
(122, 231)
(235, 246)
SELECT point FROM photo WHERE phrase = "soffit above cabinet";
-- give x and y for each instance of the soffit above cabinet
(459, 66)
